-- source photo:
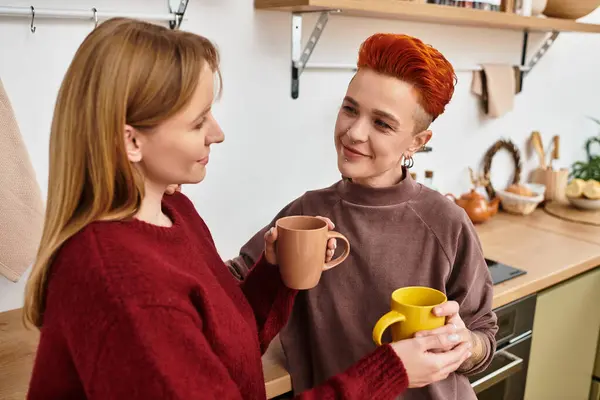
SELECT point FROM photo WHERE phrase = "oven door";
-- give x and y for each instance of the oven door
(505, 378)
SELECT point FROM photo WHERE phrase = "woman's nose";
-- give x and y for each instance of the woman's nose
(215, 135)
(358, 133)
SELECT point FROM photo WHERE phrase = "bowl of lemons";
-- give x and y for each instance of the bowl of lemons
(584, 194)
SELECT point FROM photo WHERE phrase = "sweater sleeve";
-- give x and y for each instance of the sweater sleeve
(470, 284)
(249, 254)
(173, 360)
(269, 298)
(379, 375)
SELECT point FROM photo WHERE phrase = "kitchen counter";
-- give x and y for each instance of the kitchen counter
(551, 250)
(17, 350)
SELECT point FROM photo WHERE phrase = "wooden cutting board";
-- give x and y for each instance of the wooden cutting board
(570, 213)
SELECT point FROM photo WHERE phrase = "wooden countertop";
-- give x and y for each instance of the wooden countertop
(17, 350)
(549, 249)
(550, 252)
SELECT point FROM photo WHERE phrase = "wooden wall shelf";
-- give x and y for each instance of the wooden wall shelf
(414, 12)
(430, 13)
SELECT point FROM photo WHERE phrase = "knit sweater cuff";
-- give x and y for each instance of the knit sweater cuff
(382, 372)
(263, 285)
(482, 355)
(270, 299)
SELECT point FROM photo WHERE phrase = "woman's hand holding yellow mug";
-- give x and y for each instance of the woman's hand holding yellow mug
(427, 334)
(454, 326)
(454, 323)
(433, 357)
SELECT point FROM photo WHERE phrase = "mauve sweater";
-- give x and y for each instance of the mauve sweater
(140, 312)
(403, 235)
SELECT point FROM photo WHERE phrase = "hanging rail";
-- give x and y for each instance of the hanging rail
(352, 67)
(174, 17)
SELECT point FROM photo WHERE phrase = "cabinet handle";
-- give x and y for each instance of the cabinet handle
(514, 365)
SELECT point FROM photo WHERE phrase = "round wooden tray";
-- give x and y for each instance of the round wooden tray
(570, 213)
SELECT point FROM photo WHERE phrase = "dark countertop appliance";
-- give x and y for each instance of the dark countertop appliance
(502, 272)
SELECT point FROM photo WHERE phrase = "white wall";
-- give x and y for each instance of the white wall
(276, 147)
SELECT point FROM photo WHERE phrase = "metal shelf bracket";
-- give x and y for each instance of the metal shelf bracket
(300, 55)
(179, 13)
(526, 68)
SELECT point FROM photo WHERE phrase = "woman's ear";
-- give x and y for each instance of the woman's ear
(420, 140)
(132, 144)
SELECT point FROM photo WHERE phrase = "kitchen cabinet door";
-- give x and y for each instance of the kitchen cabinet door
(565, 335)
(595, 391)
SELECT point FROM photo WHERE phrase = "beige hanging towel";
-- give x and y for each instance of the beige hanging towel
(21, 205)
(497, 85)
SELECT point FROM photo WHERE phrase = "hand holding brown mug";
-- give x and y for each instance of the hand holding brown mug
(303, 247)
(271, 238)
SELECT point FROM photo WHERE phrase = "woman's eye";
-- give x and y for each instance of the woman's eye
(382, 124)
(350, 110)
(199, 125)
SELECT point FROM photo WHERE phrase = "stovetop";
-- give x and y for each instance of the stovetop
(502, 272)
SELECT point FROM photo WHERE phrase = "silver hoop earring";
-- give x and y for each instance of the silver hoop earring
(408, 162)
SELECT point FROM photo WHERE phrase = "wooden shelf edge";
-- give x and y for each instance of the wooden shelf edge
(429, 13)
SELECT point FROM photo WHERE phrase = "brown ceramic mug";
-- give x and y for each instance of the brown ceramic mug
(301, 247)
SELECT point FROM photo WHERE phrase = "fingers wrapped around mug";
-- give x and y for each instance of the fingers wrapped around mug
(450, 310)
(331, 243)
(270, 239)
(455, 336)
(331, 246)
(426, 360)
(305, 249)
(330, 223)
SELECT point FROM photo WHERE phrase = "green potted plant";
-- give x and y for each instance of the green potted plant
(589, 169)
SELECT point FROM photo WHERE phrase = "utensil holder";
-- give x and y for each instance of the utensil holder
(556, 184)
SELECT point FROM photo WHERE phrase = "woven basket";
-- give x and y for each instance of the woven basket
(523, 205)
(570, 9)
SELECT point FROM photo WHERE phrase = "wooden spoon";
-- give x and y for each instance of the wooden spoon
(536, 141)
(555, 149)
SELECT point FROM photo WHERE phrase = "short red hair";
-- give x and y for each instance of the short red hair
(412, 61)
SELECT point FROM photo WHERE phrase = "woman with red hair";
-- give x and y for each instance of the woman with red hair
(403, 233)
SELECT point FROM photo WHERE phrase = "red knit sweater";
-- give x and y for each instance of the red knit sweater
(136, 311)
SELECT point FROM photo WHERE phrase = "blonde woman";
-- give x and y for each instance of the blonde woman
(128, 290)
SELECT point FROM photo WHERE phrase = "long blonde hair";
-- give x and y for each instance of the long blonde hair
(125, 72)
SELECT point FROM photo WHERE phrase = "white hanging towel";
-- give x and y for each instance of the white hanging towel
(21, 205)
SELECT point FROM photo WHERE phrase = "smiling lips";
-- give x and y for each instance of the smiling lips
(351, 153)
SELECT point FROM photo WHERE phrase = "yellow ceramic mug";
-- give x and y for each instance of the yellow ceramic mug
(412, 311)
